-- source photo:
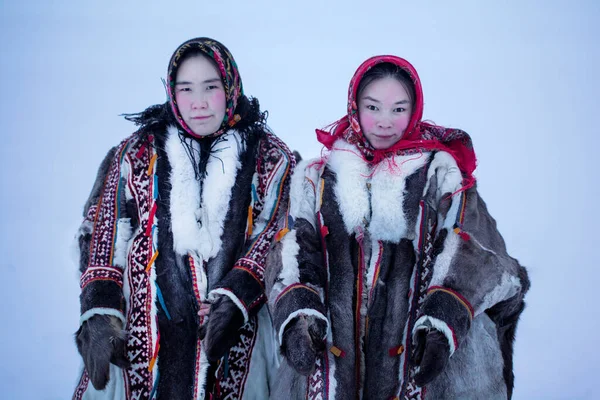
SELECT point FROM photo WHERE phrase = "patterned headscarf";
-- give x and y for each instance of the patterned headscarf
(418, 135)
(228, 70)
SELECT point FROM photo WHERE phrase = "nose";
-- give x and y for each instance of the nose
(199, 102)
(384, 123)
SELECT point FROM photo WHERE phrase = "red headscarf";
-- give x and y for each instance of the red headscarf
(418, 136)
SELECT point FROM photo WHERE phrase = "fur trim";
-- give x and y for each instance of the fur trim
(449, 177)
(351, 189)
(213, 295)
(290, 272)
(427, 322)
(302, 194)
(444, 259)
(74, 250)
(101, 311)
(198, 226)
(508, 287)
(302, 311)
(124, 233)
(388, 221)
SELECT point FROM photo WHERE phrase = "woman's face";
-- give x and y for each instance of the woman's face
(200, 95)
(384, 110)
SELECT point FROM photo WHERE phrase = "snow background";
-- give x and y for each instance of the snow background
(519, 76)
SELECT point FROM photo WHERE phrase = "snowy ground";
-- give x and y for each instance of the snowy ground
(521, 77)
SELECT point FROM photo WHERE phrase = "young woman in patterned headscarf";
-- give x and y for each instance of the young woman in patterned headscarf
(393, 281)
(174, 241)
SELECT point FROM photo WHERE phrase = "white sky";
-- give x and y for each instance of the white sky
(520, 76)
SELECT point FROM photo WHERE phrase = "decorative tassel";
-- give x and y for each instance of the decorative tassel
(140, 152)
(152, 162)
(161, 300)
(151, 220)
(235, 120)
(337, 352)
(281, 234)
(463, 235)
(250, 222)
(324, 231)
(152, 262)
(154, 357)
(396, 351)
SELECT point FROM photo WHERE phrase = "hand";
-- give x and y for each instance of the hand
(302, 340)
(101, 341)
(222, 329)
(431, 355)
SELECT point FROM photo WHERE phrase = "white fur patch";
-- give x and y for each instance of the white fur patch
(302, 311)
(508, 287)
(302, 194)
(124, 232)
(74, 249)
(214, 295)
(351, 188)
(198, 225)
(388, 220)
(443, 260)
(427, 322)
(290, 273)
(449, 177)
(101, 311)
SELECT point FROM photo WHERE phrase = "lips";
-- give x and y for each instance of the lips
(201, 118)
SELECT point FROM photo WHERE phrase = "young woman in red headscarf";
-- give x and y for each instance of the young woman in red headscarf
(392, 280)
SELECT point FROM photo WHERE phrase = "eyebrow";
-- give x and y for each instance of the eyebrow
(190, 83)
(377, 101)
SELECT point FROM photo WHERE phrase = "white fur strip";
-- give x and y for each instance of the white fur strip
(185, 194)
(351, 188)
(198, 225)
(302, 194)
(124, 233)
(214, 294)
(509, 286)
(427, 322)
(289, 259)
(290, 272)
(302, 311)
(388, 220)
(101, 311)
(443, 261)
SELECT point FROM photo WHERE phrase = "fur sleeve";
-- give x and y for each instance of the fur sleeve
(296, 276)
(472, 271)
(102, 258)
(244, 284)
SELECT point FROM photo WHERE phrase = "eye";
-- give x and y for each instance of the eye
(371, 107)
(184, 89)
(213, 87)
(399, 109)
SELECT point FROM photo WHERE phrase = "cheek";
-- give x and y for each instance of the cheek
(183, 102)
(401, 123)
(367, 122)
(218, 100)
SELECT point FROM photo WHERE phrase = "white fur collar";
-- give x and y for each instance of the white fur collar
(383, 208)
(198, 223)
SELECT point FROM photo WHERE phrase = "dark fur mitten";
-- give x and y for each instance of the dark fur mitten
(302, 340)
(101, 341)
(222, 329)
(431, 354)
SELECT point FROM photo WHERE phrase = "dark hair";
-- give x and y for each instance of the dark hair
(385, 70)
